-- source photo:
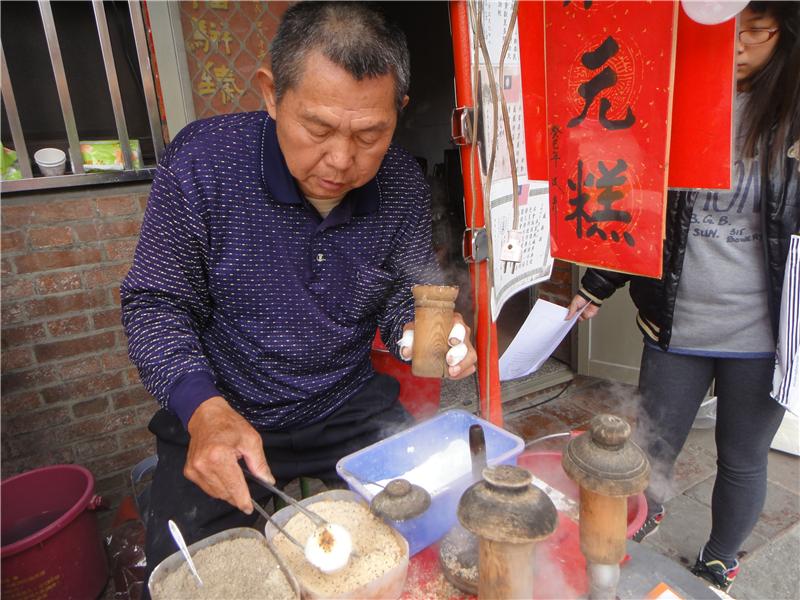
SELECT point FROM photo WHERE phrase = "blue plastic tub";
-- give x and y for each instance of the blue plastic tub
(397, 455)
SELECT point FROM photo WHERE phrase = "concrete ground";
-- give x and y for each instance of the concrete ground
(770, 558)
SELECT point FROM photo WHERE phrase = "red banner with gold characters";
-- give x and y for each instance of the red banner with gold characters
(609, 69)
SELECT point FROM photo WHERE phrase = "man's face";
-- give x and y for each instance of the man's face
(332, 129)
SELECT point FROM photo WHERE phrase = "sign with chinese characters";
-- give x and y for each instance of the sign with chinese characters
(609, 85)
(226, 43)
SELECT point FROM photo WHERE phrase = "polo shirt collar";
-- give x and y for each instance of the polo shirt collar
(281, 185)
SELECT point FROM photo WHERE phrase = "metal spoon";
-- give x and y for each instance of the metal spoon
(176, 535)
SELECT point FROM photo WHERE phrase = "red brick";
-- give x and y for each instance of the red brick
(13, 312)
(77, 431)
(90, 407)
(133, 376)
(96, 448)
(106, 275)
(26, 380)
(115, 296)
(17, 358)
(68, 326)
(58, 259)
(143, 203)
(70, 348)
(104, 485)
(113, 361)
(86, 387)
(55, 283)
(49, 237)
(15, 289)
(134, 437)
(108, 231)
(120, 250)
(6, 267)
(17, 336)
(40, 459)
(47, 212)
(101, 425)
(35, 421)
(107, 318)
(12, 241)
(121, 461)
(59, 305)
(13, 404)
(132, 397)
(83, 367)
(116, 206)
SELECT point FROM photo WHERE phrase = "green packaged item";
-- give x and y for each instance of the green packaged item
(9, 168)
(106, 155)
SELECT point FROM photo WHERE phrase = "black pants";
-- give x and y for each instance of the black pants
(672, 388)
(312, 451)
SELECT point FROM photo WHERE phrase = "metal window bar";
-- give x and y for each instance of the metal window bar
(113, 84)
(79, 176)
(13, 119)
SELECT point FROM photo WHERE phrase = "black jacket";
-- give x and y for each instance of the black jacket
(655, 298)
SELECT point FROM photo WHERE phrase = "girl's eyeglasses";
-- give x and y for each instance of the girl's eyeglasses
(754, 37)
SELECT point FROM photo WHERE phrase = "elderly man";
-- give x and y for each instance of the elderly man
(273, 246)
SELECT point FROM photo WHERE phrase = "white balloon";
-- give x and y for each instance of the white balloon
(709, 12)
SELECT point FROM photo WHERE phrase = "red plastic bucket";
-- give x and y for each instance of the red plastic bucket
(547, 467)
(51, 547)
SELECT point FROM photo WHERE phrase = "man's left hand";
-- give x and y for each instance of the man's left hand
(461, 357)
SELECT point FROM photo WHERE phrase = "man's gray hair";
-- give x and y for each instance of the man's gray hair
(350, 34)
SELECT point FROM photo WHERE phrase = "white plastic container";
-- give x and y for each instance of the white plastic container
(388, 586)
(51, 161)
(176, 560)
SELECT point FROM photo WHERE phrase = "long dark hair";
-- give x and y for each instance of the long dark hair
(772, 117)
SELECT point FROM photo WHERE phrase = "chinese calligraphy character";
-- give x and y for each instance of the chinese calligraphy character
(226, 82)
(604, 79)
(220, 79)
(608, 180)
(205, 32)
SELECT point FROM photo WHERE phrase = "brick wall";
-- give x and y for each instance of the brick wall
(69, 392)
(559, 287)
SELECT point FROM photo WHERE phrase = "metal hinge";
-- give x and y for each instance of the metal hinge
(461, 121)
(475, 245)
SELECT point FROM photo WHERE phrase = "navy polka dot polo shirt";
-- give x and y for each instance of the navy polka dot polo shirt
(239, 288)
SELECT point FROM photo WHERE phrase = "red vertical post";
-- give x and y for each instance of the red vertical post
(485, 330)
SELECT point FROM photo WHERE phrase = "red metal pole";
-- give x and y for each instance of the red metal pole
(485, 330)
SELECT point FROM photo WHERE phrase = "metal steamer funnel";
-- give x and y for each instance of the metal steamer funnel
(508, 515)
(608, 467)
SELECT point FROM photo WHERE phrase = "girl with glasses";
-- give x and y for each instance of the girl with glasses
(713, 315)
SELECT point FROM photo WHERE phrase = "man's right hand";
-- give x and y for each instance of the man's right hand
(219, 438)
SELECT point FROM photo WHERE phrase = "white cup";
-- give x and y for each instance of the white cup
(51, 161)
